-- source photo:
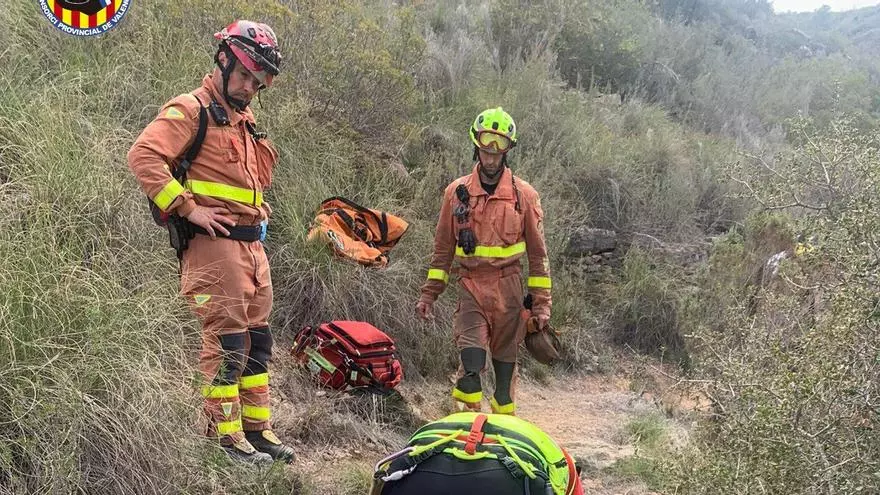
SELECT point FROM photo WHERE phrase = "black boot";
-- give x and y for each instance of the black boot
(503, 403)
(266, 441)
(243, 452)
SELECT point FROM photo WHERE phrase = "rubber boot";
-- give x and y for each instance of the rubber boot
(241, 451)
(265, 441)
(502, 402)
(468, 390)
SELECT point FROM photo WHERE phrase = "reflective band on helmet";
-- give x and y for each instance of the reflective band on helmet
(254, 381)
(225, 191)
(255, 413)
(471, 398)
(220, 391)
(168, 194)
(540, 282)
(437, 274)
(228, 427)
(493, 251)
(491, 141)
(499, 409)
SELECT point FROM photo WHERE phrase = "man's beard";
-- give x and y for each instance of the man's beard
(237, 104)
(492, 175)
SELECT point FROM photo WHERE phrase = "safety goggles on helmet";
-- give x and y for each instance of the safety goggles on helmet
(265, 56)
(493, 142)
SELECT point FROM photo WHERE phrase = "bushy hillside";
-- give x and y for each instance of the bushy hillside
(724, 66)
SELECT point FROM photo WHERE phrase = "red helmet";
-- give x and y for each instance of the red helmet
(254, 45)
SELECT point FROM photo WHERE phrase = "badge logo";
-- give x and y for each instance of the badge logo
(84, 17)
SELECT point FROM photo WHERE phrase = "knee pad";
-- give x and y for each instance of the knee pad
(473, 359)
(234, 357)
(260, 352)
(503, 377)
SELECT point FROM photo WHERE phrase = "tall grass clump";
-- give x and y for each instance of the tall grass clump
(99, 388)
(645, 310)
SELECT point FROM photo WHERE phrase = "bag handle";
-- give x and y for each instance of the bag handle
(308, 333)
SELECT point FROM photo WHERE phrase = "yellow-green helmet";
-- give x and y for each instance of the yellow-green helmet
(494, 121)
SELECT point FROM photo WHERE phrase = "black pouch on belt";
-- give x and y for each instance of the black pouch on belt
(179, 233)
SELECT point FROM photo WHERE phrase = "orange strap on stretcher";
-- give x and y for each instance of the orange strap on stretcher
(475, 437)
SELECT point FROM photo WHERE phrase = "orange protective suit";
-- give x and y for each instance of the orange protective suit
(226, 282)
(507, 226)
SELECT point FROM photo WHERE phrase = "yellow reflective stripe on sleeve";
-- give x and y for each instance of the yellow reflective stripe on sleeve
(228, 427)
(225, 191)
(471, 398)
(505, 409)
(168, 193)
(253, 381)
(540, 282)
(437, 274)
(255, 413)
(220, 391)
(493, 251)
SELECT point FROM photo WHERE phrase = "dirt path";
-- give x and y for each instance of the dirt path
(587, 415)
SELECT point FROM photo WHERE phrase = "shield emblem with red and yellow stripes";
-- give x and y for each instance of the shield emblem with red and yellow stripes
(84, 17)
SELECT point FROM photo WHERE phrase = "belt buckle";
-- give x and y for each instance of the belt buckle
(263, 227)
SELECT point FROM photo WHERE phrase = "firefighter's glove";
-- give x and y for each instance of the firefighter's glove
(467, 241)
(544, 346)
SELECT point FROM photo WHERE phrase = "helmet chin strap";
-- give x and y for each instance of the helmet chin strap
(226, 71)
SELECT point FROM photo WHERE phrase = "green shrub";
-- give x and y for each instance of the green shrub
(794, 378)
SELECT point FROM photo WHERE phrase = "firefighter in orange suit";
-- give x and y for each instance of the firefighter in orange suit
(224, 270)
(488, 221)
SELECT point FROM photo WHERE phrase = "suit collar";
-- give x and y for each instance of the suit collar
(504, 190)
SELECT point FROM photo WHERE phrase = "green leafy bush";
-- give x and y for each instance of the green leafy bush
(796, 377)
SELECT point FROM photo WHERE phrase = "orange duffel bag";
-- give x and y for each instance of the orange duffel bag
(358, 233)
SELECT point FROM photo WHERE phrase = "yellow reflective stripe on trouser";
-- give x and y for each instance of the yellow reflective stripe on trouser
(540, 282)
(493, 251)
(168, 194)
(505, 409)
(254, 381)
(255, 413)
(225, 191)
(227, 427)
(437, 274)
(220, 391)
(471, 398)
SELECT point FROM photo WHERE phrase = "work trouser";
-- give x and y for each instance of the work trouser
(228, 286)
(489, 318)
